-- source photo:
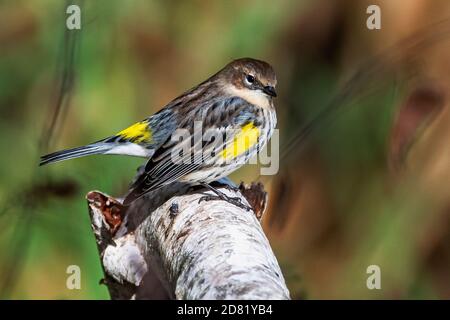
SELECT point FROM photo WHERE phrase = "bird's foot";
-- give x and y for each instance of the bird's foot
(222, 196)
(231, 188)
(233, 200)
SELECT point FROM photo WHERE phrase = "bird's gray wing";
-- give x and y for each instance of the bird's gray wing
(161, 169)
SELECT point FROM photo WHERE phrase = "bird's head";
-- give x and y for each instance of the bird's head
(251, 79)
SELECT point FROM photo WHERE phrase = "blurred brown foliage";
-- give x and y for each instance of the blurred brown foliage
(332, 243)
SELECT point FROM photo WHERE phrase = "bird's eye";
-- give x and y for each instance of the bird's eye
(250, 79)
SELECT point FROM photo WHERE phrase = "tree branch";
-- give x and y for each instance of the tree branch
(168, 245)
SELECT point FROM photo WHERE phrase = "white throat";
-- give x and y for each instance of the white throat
(255, 97)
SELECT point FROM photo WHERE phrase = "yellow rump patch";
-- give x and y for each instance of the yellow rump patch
(138, 132)
(244, 139)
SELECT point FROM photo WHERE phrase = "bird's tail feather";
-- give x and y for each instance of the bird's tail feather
(95, 148)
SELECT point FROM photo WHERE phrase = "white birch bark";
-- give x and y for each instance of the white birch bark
(168, 245)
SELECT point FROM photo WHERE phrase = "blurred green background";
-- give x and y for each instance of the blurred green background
(370, 185)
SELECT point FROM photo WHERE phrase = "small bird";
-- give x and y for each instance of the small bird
(236, 102)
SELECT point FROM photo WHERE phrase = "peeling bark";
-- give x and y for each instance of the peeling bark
(168, 245)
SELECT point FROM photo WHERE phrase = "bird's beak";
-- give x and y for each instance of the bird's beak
(270, 91)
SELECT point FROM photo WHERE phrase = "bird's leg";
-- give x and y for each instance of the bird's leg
(222, 196)
(231, 187)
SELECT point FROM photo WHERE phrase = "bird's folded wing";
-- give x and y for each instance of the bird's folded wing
(238, 133)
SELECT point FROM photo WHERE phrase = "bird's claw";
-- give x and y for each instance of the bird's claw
(233, 200)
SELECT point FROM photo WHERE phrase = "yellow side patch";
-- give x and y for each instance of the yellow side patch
(138, 132)
(244, 139)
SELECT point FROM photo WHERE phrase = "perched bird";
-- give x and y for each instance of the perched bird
(236, 103)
